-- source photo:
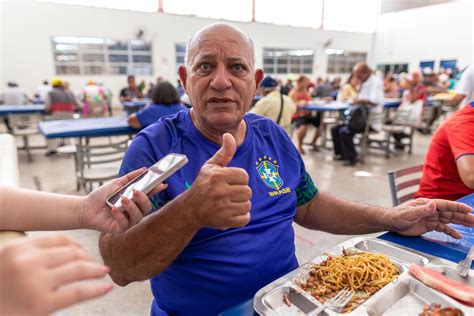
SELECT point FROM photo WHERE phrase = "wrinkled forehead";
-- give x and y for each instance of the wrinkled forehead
(220, 42)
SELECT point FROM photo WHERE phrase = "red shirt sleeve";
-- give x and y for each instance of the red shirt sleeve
(461, 139)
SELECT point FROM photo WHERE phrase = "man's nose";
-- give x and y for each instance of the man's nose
(221, 80)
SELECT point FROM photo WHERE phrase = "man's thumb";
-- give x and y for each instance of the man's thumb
(227, 151)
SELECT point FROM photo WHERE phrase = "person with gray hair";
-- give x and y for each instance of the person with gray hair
(223, 229)
(274, 104)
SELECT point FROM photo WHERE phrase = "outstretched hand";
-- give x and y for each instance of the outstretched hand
(96, 214)
(423, 215)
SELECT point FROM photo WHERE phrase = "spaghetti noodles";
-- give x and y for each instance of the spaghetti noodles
(363, 272)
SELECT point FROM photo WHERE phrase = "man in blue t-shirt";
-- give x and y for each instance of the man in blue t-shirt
(223, 228)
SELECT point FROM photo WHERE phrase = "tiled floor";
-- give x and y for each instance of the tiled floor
(55, 174)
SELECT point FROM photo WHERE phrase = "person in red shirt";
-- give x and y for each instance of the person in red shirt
(448, 172)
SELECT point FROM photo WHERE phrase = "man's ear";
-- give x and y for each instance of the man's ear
(258, 78)
(183, 76)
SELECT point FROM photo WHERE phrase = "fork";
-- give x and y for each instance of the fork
(337, 303)
(464, 266)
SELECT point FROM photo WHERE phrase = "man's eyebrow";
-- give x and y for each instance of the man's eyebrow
(205, 56)
(237, 59)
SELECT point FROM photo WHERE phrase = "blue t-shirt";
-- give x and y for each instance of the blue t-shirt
(219, 269)
(153, 112)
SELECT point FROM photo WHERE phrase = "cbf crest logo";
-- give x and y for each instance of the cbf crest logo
(268, 170)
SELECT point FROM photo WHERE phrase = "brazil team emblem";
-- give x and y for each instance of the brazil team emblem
(268, 171)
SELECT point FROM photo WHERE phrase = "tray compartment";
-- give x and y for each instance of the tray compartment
(407, 297)
(451, 273)
(393, 252)
(299, 303)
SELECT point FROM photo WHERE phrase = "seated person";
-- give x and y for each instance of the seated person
(131, 91)
(225, 228)
(302, 118)
(464, 88)
(348, 91)
(370, 95)
(408, 113)
(274, 104)
(165, 102)
(448, 170)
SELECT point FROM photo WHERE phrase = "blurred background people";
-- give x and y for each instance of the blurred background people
(131, 91)
(349, 90)
(274, 104)
(165, 102)
(94, 100)
(302, 117)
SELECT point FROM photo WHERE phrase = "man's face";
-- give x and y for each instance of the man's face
(131, 83)
(220, 79)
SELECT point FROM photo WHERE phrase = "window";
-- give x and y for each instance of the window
(342, 61)
(350, 15)
(180, 50)
(99, 56)
(307, 14)
(236, 11)
(448, 64)
(136, 5)
(286, 61)
(394, 68)
(427, 64)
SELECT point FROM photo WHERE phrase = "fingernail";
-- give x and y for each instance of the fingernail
(135, 193)
(125, 200)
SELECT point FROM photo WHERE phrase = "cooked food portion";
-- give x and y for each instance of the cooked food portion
(436, 310)
(363, 272)
(441, 283)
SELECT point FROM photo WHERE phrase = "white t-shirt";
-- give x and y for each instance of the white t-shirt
(43, 91)
(372, 90)
(465, 85)
(14, 96)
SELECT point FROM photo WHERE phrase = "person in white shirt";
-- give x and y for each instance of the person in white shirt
(43, 90)
(14, 95)
(464, 88)
(371, 95)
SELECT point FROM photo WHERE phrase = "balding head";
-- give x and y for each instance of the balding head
(214, 32)
(362, 71)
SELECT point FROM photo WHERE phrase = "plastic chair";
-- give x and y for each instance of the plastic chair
(99, 162)
(396, 185)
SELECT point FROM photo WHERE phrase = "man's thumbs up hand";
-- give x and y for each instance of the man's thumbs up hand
(220, 195)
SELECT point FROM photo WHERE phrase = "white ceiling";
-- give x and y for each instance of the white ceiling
(398, 5)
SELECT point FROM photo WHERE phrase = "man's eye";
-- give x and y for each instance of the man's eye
(237, 67)
(205, 67)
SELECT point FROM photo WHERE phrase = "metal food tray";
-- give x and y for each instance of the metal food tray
(403, 296)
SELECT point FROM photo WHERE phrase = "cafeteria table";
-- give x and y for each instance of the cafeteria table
(87, 127)
(135, 105)
(8, 109)
(439, 244)
(433, 243)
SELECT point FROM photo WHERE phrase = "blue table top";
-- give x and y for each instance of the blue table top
(326, 106)
(90, 127)
(7, 109)
(439, 244)
(136, 103)
(391, 103)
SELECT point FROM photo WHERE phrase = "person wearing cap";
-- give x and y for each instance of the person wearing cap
(274, 104)
(61, 104)
(94, 100)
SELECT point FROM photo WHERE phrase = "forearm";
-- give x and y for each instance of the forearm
(331, 214)
(151, 246)
(28, 210)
